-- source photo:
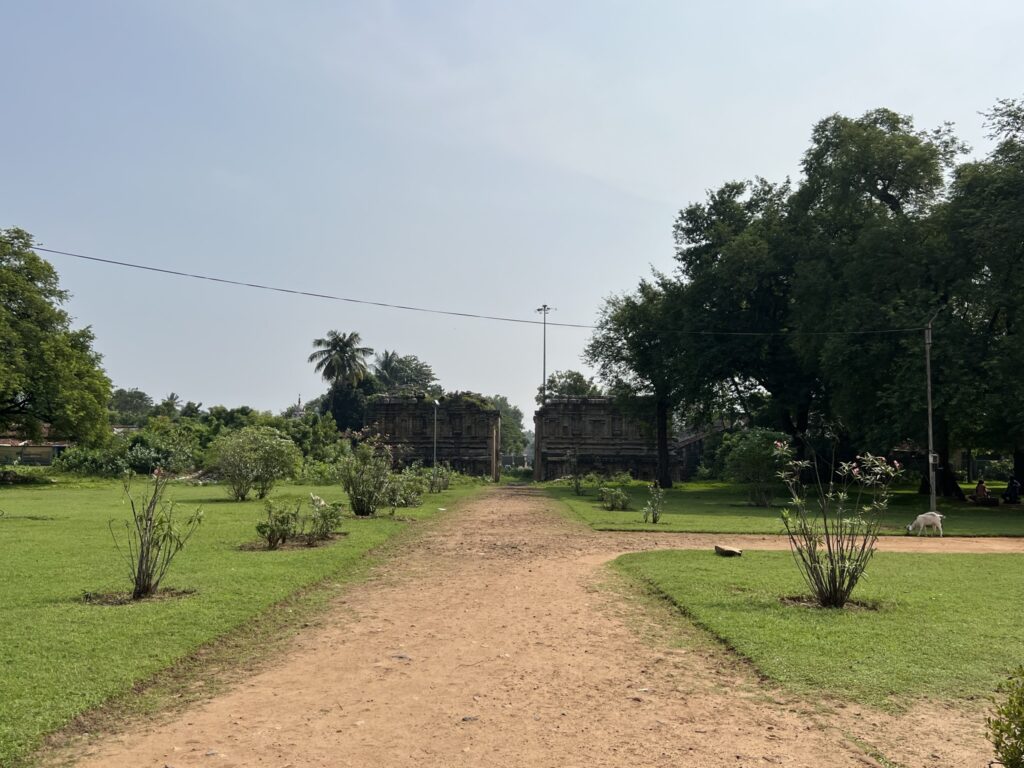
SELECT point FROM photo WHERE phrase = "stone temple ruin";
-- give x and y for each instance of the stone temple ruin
(468, 430)
(604, 438)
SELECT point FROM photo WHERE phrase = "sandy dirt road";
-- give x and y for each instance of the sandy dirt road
(493, 639)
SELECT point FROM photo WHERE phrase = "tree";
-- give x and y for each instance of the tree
(512, 438)
(568, 384)
(639, 359)
(253, 458)
(130, 406)
(50, 375)
(340, 359)
(403, 373)
(986, 231)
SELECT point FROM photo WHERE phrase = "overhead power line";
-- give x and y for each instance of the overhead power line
(453, 313)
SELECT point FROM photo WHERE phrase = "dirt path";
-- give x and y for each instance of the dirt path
(491, 642)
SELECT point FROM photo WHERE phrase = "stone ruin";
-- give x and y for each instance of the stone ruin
(468, 431)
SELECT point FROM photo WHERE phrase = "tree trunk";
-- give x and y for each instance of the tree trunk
(664, 468)
(945, 480)
(1018, 463)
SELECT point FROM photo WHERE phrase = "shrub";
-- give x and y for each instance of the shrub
(323, 521)
(253, 458)
(440, 477)
(652, 509)
(1006, 727)
(614, 498)
(107, 461)
(406, 488)
(832, 534)
(153, 536)
(320, 472)
(366, 475)
(281, 523)
(750, 457)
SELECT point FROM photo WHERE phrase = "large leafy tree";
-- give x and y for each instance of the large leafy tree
(568, 383)
(403, 373)
(513, 439)
(50, 376)
(340, 359)
(986, 231)
(635, 355)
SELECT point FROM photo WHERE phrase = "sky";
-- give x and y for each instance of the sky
(476, 157)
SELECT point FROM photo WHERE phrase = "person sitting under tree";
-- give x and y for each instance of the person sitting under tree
(1012, 493)
(980, 491)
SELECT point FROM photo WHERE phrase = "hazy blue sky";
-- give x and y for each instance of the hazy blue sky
(475, 156)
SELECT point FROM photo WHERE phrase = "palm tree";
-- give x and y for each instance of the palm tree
(340, 359)
(388, 369)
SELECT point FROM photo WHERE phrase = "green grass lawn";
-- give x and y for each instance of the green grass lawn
(60, 656)
(714, 507)
(946, 626)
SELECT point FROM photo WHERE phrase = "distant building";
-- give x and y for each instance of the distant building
(595, 432)
(14, 450)
(602, 437)
(468, 430)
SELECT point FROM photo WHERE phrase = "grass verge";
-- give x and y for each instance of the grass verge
(941, 626)
(61, 656)
(714, 507)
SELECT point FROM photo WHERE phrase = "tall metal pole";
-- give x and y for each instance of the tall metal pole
(932, 458)
(543, 309)
(435, 436)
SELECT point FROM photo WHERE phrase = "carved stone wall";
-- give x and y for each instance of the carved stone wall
(468, 433)
(603, 438)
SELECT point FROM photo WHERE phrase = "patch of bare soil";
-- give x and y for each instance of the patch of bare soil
(492, 641)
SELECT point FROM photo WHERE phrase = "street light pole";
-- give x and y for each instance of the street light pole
(932, 458)
(543, 309)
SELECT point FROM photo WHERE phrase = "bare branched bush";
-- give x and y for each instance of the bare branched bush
(652, 509)
(833, 523)
(152, 536)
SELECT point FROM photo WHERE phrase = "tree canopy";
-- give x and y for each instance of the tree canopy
(340, 359)
(803, 303)
(568, 383)
(50, 376)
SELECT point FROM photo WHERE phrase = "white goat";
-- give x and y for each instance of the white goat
(927, 520)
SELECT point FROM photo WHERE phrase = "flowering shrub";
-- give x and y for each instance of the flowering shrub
(1006, 727)
(833, 524)
(614, 498)
(652, 509)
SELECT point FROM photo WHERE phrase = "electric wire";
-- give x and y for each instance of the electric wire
(453, 313)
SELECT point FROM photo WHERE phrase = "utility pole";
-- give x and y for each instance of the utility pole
(933, 460)
(543, 309)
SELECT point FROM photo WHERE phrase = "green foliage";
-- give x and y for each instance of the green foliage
(110, 460)
(440, 477)
(366, 476)
(653, 507)
(568, 383)
(749, 457)
(1006, 726)
(129, 407)
(406, 488)
(282, 522)
(323, 520)
(253, 458)
(613, 498)
(833, 525)
(50, 374)
(400, 374)
(153, 536)
(512, 438)
(340, 359)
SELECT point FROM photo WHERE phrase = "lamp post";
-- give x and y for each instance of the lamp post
(436, 404)
(543, 309)
(932, 458)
